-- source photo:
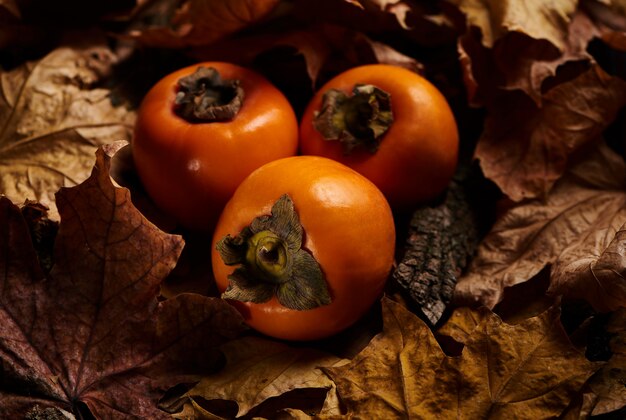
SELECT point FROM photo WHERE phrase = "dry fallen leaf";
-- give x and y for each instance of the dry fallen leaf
(535, 18)
(528, 370)
(462, 323)
(399, 8)
(578, 229)
(89, 337)
(320, 45)
(524, 149)
(197, 22)
(52, 118)
(258, 369)
(609, 384)
(525, 42)
(610, 18)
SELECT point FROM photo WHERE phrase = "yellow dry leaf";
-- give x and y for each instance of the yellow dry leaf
(529, 370)
(52, 120)
(258, 369)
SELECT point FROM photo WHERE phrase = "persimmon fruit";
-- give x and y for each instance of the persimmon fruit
(304, 247)
(201, 130)
(389, 124)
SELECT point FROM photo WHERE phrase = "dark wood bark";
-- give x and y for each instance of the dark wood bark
(441, 241)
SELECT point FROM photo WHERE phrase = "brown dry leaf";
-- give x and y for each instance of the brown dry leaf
(609, 384)
(198, 22)
(462, 323)
(536, 18)
(577, 230)
(524, 148)
(90, 337)
(52, 119)
(320, 45)
(525, 46)
(526, 62)
(528, 370)
(258, 369)
(399, 8)
(610, 18)
(11, 7)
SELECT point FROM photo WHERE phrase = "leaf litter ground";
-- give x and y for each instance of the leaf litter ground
(90, 330)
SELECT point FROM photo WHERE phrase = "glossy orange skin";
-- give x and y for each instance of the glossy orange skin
(349, 229)
(417, 156)
(189, 169)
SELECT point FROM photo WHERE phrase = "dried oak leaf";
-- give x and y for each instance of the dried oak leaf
(53, 118)
(529, 370)
(524, 148)
(258, 369)
(90, 337)
(578, 229)
(197, 22)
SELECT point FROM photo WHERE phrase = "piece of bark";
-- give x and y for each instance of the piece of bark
(440, 243)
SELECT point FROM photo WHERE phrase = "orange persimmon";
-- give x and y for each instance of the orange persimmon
(304, 247)
(389, 124)
(201, 130)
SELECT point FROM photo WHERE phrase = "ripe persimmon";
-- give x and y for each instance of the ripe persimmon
(304, 247)
(389, 124)
(201, 130)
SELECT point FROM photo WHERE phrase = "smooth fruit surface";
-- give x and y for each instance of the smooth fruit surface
(348, 228)
(417, 155)
(190, 169)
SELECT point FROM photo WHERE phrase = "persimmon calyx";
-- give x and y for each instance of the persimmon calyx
(272, 262)
(357, 120)
(205, 97)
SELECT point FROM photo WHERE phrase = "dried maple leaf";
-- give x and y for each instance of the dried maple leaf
(198, 22)
(462, 323)
(528, 370)
(90, 337)
(258, 369)
(524, 148)
(52, 119)
(578, 229)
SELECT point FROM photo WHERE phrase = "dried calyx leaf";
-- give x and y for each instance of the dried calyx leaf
(357, 120)
(205, 97)
(272, 262)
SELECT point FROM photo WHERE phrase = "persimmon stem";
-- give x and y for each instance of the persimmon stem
(205, 97)
(357, 120)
